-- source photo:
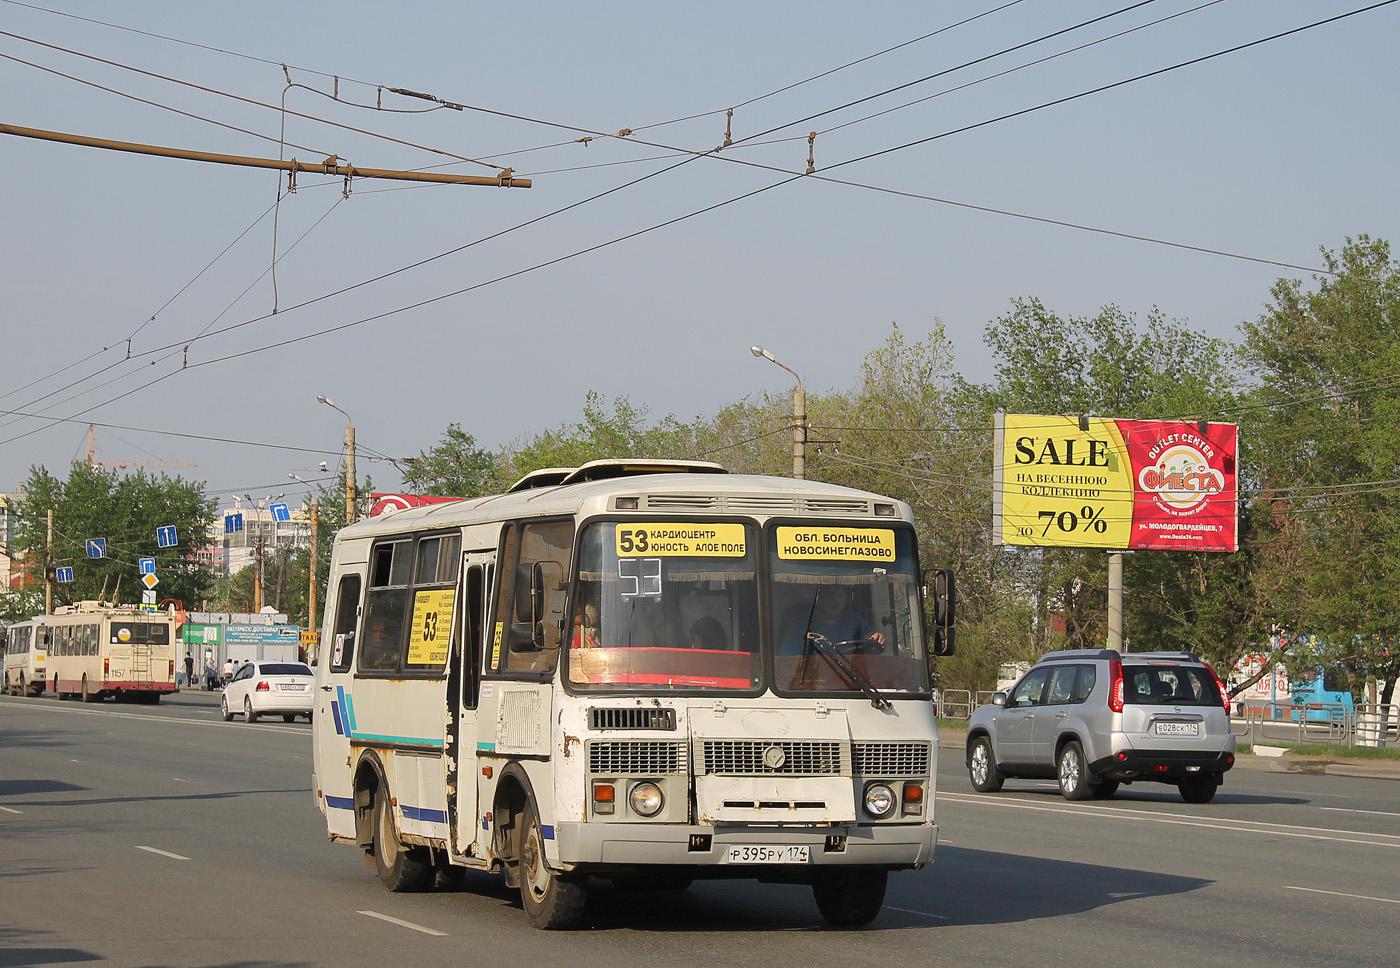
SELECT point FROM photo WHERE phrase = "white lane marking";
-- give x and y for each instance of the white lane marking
(404, 924)
(1379, 813)
(163, 853)
(922, 914)
(179, 779)
(1359, 897)
(1157, 816)
(8, 810)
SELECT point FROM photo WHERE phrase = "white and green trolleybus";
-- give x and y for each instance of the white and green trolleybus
(642, 671)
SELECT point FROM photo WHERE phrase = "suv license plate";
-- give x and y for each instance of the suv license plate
(766, 854)
(1176, 729)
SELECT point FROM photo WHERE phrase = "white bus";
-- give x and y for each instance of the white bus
(26, 662)
(648, 672)
(93, 651)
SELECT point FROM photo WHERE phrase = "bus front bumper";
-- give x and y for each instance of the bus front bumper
(890, 846)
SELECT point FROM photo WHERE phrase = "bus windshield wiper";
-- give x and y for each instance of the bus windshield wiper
(843, 665)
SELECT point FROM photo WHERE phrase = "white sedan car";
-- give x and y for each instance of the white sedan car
(270, 689)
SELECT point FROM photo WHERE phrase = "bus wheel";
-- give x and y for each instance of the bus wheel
(88, 694)
(850, 896)
(551, 901)
(400, 869)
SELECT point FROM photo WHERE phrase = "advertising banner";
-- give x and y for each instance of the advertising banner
(1091, 482)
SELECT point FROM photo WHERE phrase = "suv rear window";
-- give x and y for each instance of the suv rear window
(1181, 685)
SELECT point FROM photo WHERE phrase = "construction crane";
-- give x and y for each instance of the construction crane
(94, 461)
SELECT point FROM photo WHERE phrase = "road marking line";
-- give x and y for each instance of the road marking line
(163, 853)
(403, 924)
(922, 914)
(1186, 820)
(1379, 813)
(8, 810)
(1359, 897)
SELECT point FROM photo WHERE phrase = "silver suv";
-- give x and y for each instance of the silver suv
(1096, 718)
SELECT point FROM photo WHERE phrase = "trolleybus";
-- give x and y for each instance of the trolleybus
(93, 651)
(644, 672)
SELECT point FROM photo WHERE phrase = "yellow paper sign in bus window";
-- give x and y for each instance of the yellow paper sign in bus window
(432, 627)
(816, 544)
(653, 540)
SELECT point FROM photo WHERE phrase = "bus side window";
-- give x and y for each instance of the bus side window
(346, 607)
(530, 607)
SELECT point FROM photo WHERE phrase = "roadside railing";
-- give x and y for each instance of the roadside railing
(1332, 724)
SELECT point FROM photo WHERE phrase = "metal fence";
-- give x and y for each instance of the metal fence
(1370, 724)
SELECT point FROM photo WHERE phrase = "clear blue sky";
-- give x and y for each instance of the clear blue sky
(1268, 152)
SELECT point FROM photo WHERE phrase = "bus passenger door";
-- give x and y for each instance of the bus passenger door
(334, 720)
(464, 682)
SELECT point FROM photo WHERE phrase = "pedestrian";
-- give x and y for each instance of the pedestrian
(210, 674)
(189, 669)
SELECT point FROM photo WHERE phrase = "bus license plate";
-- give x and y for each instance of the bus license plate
(767, 854)
(1176, 729)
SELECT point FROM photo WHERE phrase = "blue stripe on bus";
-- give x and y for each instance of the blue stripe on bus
(486, 747)
(340, 803)
(344, 714)
(547, 831)
(335, 715)
(423, 813)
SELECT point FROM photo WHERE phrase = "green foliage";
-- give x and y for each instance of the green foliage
(126, 511)
(456, 467)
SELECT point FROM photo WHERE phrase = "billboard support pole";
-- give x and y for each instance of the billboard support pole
(1115, 600)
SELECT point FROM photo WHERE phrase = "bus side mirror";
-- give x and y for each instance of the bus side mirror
(943, 598)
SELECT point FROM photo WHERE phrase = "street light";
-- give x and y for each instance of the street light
(311, 567)
(799, 416)
(349, 462)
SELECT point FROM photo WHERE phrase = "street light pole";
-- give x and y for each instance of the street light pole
(350, 511)
(799, 416)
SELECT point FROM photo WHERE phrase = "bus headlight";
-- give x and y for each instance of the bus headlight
(646, 799)
(879, 800)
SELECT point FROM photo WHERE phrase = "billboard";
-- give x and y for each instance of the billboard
(1093, 482)
(386, 503)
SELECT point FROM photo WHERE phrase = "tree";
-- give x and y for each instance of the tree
(124, 511)
(1327, 454)
(600, 435)
(456, 467)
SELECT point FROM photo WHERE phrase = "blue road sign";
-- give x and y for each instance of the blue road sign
(63, 574)
(165, 537)
(97, 547)
(146, 566)
(233, 522)
(280, 512)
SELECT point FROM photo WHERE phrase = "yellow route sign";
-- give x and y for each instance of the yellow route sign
(432, 627)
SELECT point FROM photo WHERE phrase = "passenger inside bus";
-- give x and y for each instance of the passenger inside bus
(831, 617)
(708, 633)
(586, 628)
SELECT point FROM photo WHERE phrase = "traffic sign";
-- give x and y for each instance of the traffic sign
(150, 580)
(280, 512)
(97, 547)
(233, 522)
(165, 536)
(63, 574)
(146, 566)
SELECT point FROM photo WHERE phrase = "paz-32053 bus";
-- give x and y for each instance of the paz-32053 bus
(647, 672)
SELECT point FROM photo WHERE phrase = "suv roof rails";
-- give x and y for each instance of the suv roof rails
(1183, 656)
(1079, 654)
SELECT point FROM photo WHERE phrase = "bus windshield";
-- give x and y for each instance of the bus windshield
(846, 610)
(665, 605)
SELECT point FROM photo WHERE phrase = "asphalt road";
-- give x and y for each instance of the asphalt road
(160, 836)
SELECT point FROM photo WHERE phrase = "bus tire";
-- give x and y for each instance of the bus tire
(849, 897)
(88, 694)
(400, 869)
(551, 901)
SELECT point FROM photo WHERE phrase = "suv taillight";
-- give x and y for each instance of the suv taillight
(1115, 685)
(1220, 685)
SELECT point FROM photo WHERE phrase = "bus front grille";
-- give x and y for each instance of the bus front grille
(625, 758)
(891, 759)
(772, 757)
(632, 718)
